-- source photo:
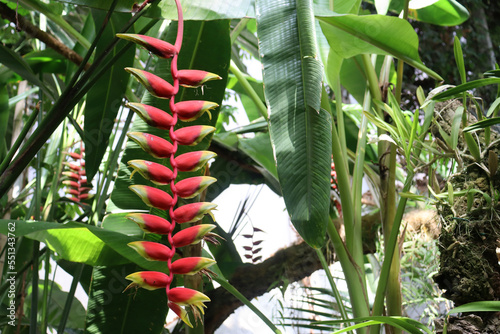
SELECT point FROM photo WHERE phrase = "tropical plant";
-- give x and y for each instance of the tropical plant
(311, 53)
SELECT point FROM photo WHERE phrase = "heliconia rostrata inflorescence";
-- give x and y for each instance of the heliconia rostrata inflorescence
(178, 297)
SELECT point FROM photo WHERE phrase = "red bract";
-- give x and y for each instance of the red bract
(149, 280)
(191, 110)
(195, 78)
(153, 116)
(192, 135)
(153, 197)
(154, 145)
(192, 186)
(156, 46)
(191, 265)
(192, 161)
(73, 191)
(73, 184)
(73, 166)
(192, 212)
(193, 235)
(186, 297)
(150, 223)
(152, 251)
(71, 175)
(153, 83)
(74, 155)
(152, 171)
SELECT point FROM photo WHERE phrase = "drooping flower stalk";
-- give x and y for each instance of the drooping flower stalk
(158, 147)
(76, 180)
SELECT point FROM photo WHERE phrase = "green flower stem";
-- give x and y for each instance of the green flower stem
(231, 289)
(250, 91)
(336, 292)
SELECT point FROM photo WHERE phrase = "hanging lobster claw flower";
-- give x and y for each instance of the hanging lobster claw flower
(150, 223)
(156, 46)
(152, 251)
(191, 265)
(191, 110)
(195, 78)
(154, 145)
(190, 187)
(152, 116)
(192, 212)
(181, 313)
(192, 135)
(149, 280)
(191, 161)
(83, 196)
(194, 234)
(153, 83)
(152, 171)
(152, 197)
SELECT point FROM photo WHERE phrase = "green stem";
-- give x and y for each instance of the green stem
(355, 283)
(378, 304)
(399, 82)
(335, 291)
(45, 293)
(231, 289)
(248, 88)
(238, 29)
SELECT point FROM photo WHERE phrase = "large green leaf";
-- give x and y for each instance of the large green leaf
(442, 12)
(350, 35)
(193, 9)
(300, 131)
(105, 97)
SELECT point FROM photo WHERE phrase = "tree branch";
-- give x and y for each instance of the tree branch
(34, 31)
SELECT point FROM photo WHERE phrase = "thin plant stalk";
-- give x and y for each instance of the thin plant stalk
(335, 291)
(250, 91)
